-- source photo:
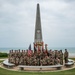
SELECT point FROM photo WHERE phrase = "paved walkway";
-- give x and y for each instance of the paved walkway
(3, 58)
(33, 70)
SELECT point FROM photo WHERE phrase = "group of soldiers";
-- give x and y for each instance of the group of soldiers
(51, 57)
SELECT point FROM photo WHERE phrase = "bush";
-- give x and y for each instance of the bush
(3, 54)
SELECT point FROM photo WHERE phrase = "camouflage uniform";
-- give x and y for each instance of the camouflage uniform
(66, 56)
(51, 61)
(24, 60)
(41, 61)
(28, 60)
(44, 61)
(21, 60)
(17, 61)
(56, 54)
(61, 58)
(37, 60)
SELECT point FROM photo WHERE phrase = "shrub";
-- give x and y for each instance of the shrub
(3, 54)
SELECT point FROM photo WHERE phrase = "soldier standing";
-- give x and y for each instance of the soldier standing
(61, 57)
(66, 56)
(56, 54)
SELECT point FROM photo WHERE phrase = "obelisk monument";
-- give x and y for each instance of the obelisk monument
(38, 41)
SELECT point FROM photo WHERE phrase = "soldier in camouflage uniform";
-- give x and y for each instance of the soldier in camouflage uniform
(41, 61)
(24, 62)
(57, 61)
(56, 54)
(50, 53)
(37, 61)
(51, 61)
(17, 61)
(61, 57)
(48, 60)
(38, 58)
(44, 62)
(66, 56)
(21, 60)
(28, 61)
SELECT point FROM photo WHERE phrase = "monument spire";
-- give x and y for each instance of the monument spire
(38, 42)
(38, 30)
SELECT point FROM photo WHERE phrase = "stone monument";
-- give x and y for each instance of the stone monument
(38, 41)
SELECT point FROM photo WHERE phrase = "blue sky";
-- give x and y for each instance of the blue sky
(17, 22)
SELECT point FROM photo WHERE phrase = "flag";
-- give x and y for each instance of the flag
(29, 52)
(35, 47)
(30, 47)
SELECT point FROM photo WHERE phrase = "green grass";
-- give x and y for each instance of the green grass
(72, 58)
(7, 72)
(1, 61)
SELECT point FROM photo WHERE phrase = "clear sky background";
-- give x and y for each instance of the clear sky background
(17, 22)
